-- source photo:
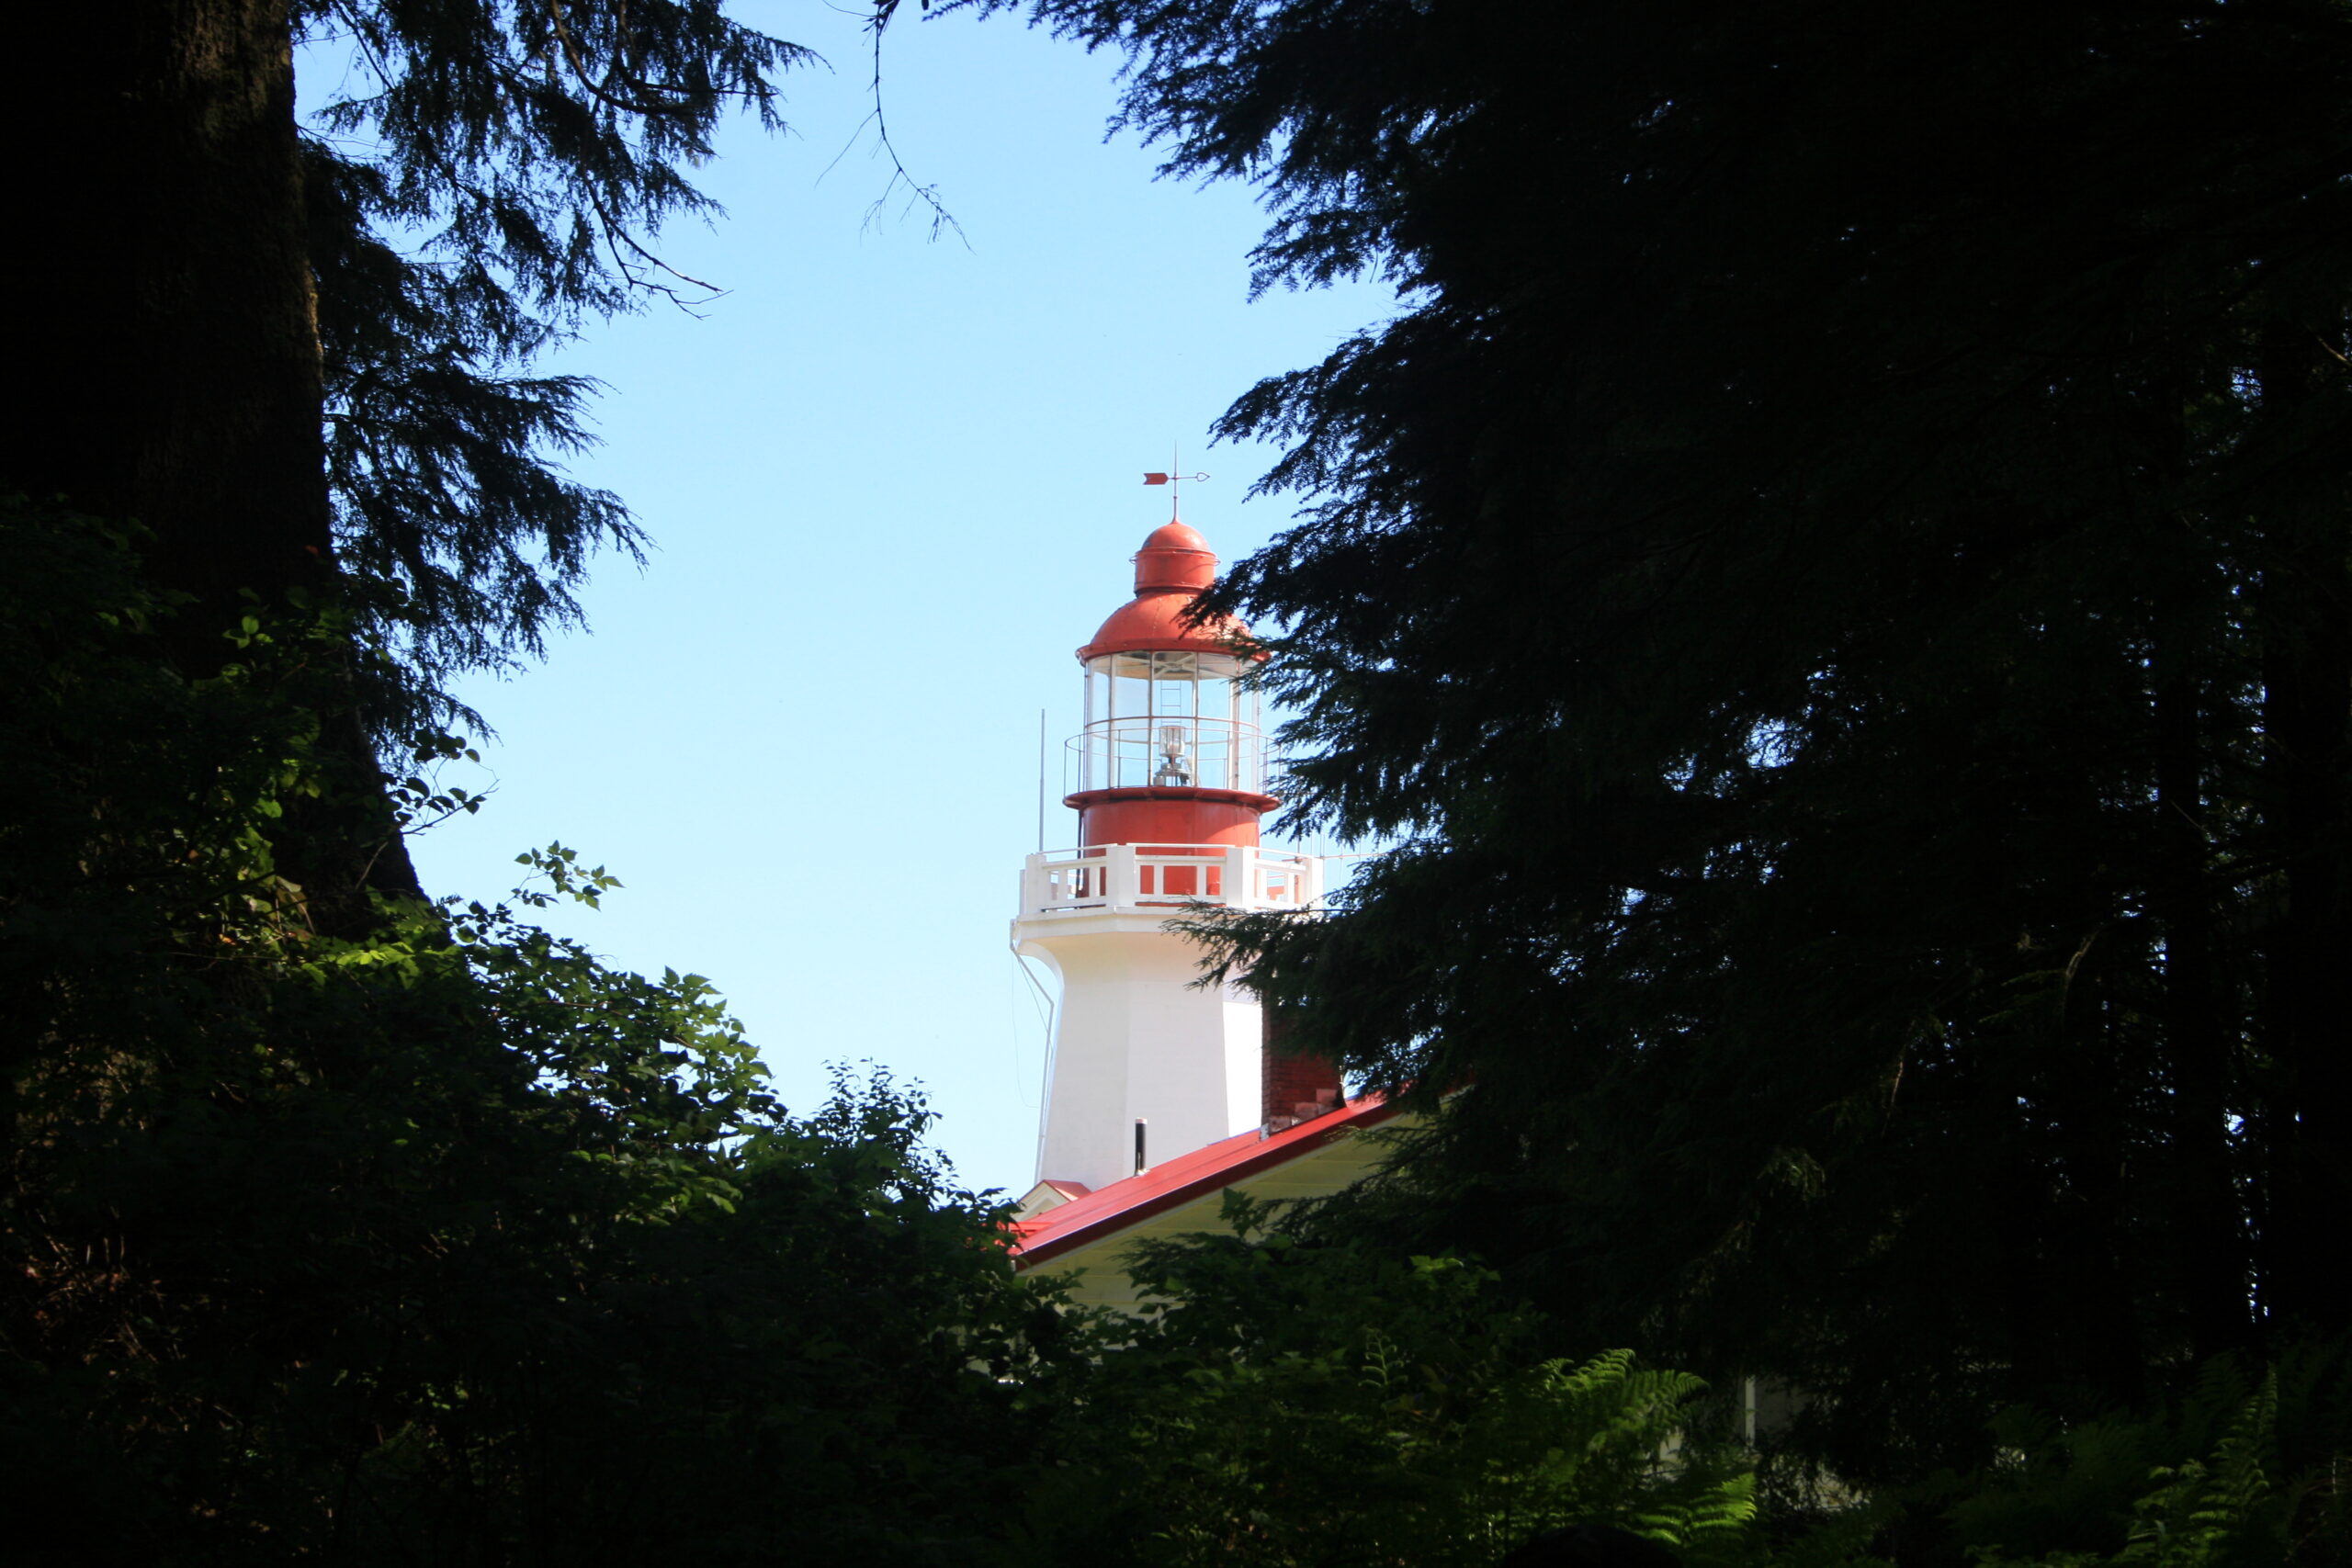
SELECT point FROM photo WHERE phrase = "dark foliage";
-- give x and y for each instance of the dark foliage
(300, 359)
(276, 344)
(336, 1225)
(1839, 575)
(443, 1245)
(1305, 1405)
(460, 539)
(494, 175)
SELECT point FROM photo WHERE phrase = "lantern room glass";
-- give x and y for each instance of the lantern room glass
(1175, 719)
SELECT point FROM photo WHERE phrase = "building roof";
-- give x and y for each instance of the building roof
(1087, 1221)
(1051, 1195)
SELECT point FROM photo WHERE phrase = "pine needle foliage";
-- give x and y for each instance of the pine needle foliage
(487, 178)
(1837, 573)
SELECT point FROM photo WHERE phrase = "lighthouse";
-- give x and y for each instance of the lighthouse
(1148, 1063)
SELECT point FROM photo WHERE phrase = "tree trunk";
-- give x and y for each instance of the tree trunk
(2200, 1052)
(168, 322)
(163, 326)
(2305, 609)
(2211, 1250)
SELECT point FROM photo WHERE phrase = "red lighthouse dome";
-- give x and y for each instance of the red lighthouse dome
(1170, 753)
(1171, 569)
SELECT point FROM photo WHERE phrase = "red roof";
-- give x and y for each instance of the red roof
(1107, 1210)
(1174, 565)
(1175, 556)
(1155, 622)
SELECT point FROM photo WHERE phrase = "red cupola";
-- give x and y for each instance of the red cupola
(1170, 753)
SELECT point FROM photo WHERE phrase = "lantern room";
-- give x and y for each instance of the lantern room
(1169, 719)
(1170, 751)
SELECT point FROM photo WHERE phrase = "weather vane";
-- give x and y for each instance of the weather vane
(1174, 481)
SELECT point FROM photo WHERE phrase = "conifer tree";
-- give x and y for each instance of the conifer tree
(299, 358)
(339, 1227)
(1837, 575)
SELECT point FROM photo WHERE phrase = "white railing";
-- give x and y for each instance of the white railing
(1109, 878)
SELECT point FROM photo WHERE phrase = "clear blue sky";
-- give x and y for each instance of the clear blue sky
(893, 482)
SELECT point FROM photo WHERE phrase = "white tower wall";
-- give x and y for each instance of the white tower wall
(1134, 1037)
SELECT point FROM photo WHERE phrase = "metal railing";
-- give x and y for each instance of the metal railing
(1179, 750)
(1114, 877)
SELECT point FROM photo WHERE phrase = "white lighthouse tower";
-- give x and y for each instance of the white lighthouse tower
(1170, 770)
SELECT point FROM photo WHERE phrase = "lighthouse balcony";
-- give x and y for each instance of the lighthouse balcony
(1121, 878)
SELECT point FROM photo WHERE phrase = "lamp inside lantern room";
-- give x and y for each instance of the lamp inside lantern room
(1173, 771)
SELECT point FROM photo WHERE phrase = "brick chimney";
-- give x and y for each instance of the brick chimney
(1296, 1088)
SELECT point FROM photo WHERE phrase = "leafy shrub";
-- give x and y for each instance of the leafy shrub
(1299, 1405)
(438, 1241)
